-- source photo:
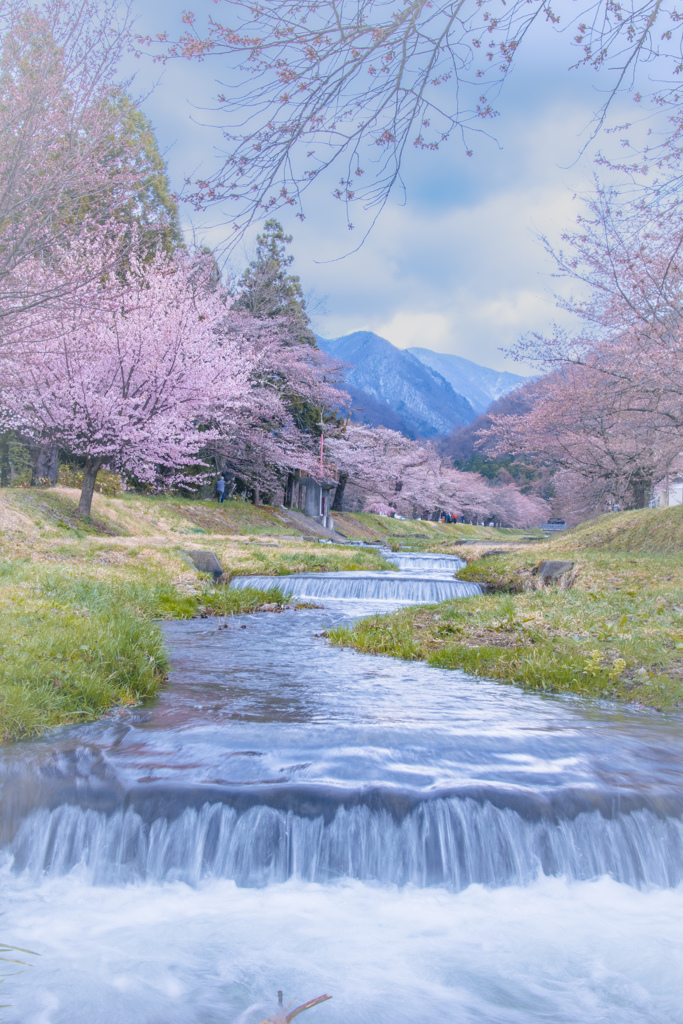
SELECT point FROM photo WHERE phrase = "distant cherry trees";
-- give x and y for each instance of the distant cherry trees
(409, 477)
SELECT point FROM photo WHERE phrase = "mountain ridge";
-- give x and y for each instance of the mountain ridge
(479, 384)
(404, 389)
(419, 395)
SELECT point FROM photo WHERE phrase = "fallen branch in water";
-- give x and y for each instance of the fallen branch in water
(282, 1018)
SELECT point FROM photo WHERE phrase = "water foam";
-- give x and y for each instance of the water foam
(407, 561)
(356, 586)
(551, 951)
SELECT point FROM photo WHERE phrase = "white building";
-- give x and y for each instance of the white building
(669, 491)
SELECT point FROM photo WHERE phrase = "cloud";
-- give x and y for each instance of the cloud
(409, 329)
(462, 276)
(459, 267)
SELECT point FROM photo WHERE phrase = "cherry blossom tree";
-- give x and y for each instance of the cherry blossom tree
(585, 423)
(269, 440)
(137, 379)
(409, 477)
(609, 408)
(385, 465)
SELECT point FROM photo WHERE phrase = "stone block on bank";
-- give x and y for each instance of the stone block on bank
(205, 561)
(555, 573)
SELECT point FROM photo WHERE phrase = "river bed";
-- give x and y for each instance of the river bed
(424, 846)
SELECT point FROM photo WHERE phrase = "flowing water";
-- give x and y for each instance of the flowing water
(424, 846)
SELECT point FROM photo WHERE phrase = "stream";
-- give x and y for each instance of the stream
(426, 847)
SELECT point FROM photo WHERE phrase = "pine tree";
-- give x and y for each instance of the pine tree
(267, 290)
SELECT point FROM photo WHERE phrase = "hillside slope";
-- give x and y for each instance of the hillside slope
(479, 384)
(641, 531)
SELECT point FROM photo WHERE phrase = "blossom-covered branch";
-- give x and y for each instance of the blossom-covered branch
(353, 84)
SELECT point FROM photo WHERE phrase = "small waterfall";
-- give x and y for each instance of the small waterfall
(419, 562)
(378, 586)
(444, 841)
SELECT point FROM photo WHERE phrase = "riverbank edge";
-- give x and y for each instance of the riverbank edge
(79, 598)
(79, 619)
(617, 633)
(75, 647)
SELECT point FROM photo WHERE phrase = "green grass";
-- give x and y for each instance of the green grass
(645, 530)
(74, 646)
(284, 558)
(225, 601)
(49, 508)
(617, 633)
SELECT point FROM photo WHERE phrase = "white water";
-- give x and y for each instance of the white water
(425, 847)
(584, 953)
(406, 588)
(425, 562)
(452, 842)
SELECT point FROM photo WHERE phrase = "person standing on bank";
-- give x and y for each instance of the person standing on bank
(220, 489)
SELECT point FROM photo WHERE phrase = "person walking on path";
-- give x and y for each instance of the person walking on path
(220, 489)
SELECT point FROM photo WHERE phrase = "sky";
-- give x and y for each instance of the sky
(455, 265)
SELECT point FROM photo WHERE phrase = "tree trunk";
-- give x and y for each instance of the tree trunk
(289, 491)
(229, 478)
(92, 467)
(338, 503)
(5, 469)
(641, 487)
(45, 464)
(256, 496)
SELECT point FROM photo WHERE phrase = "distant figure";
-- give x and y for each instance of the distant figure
(220, 489)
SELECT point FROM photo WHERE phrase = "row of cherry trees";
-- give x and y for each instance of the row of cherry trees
(121, 348)
(151, 370)
(395, 474)
(154, 369)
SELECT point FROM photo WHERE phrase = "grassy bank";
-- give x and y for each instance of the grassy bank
(418, 535)
(617, 633)
(53, 510)
(75, 644)
(80, 599)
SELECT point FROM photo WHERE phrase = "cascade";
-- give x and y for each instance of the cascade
(425, 562)
(445, 841)
(286, 814)
(366, 586)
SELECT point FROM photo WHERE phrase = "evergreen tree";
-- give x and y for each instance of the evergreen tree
(267, 290)
(151, 206)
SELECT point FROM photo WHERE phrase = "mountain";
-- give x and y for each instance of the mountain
(393, 387)
(367, 409)
(478, 384)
